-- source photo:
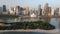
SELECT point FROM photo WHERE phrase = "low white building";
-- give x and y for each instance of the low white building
(33, 15)
(11, 11)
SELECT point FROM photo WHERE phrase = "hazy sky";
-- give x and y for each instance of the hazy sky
(30, 3)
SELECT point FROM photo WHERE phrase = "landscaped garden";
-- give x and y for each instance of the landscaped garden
(29, 25)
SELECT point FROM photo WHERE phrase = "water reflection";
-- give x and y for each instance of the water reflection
(53, 21)
(30, 19)
(46, 19)
(23, 33)
(9, 20)
(59, 22)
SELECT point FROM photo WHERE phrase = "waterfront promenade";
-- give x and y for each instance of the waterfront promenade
(32, 30)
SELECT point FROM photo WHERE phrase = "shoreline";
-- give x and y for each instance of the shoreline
(31, 30)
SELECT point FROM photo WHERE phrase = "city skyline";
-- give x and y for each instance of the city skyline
(30, 3)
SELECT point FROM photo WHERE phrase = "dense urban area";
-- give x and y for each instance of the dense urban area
(25, 12)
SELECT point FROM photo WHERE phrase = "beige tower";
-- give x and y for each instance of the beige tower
(45, 10)
(59, 11)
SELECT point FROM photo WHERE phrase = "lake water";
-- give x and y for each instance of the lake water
(53, 21)
(25, 33)
(22, 33)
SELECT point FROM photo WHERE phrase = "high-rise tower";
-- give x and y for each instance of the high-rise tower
(4, 8)
(47, 10)
(39, 10)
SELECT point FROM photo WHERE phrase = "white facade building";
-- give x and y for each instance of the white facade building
(59, 11)
(52, 12)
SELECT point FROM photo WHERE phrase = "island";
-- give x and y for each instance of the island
(27, 25)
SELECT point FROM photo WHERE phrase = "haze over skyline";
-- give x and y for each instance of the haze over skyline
(30, 3)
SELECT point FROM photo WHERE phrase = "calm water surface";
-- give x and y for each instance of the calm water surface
(23, 33)
(53, 21)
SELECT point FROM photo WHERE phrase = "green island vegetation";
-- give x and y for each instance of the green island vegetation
(28, 25)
